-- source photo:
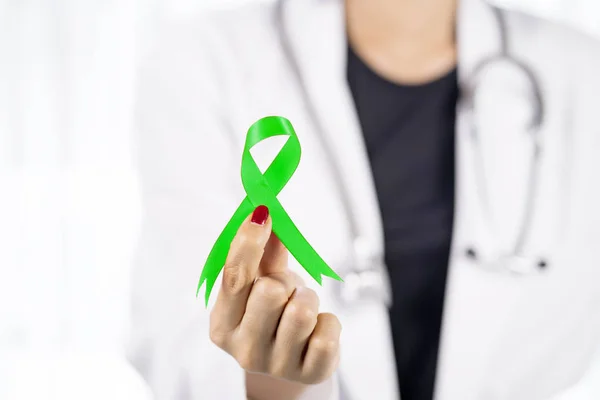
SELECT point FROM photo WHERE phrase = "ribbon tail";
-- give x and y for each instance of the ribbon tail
(214, 264)
(327, 271)
(319, 268)
(218, 254)
(296, 243)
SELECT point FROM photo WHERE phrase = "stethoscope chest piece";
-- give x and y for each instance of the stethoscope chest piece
(366, 280)
(361, 286)
(513, 263)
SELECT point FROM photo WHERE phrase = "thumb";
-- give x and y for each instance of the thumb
(275, 257)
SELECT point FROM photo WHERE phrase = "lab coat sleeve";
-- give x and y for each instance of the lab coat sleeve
(190, 185)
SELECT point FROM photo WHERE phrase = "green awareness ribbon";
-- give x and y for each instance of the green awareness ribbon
(263, 190)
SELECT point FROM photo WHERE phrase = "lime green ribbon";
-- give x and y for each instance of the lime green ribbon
(263, 190)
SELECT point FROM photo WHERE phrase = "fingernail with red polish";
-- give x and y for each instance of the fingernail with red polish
(260, 215)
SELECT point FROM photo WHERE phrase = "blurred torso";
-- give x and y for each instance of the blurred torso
(504, 336)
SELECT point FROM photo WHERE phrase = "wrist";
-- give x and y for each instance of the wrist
(264, 387)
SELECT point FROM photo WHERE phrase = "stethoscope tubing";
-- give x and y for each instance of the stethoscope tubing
(353, 273)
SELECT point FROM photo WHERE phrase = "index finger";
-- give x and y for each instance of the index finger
(241, 268)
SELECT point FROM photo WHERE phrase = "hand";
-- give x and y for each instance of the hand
(265, 317)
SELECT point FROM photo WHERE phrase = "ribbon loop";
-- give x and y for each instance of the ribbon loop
(263, 190)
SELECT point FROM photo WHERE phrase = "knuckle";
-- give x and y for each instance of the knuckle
(279, 370)
(248, 359)
(332, 320)
(297, 279)
(246, 363)
(271, 290)
(235, 277)
(319, 373)
(216, 333)
(217, 338)
(315, 375)
(319, 377)
(300, 315)
(326, 347)
(310, 295)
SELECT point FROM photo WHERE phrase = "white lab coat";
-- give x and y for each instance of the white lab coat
(504, 337)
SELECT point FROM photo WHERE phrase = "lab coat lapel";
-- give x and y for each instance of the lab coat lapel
(500, 159)
(316, 35)
(318, 44)
(468, 331)
(478, 40)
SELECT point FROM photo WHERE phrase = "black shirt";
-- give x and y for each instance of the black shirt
(409, 136)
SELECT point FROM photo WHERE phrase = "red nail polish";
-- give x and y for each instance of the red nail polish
(260, 215)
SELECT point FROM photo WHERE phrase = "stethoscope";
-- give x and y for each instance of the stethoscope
(367, 277)
(515, 259)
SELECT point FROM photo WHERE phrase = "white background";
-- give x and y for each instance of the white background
(69, 207)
